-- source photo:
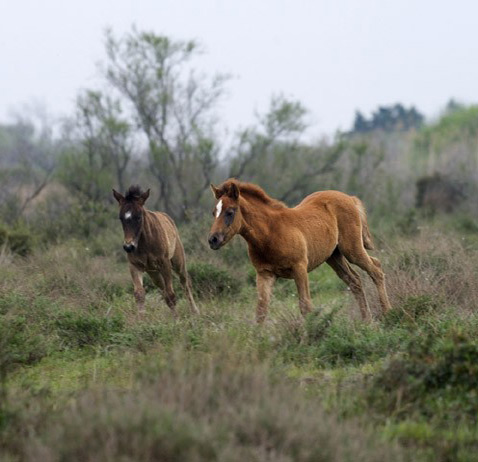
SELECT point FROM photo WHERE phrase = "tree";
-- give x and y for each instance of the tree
(28, 156)
(283, 122)
(173, 108)
(273, 155)
(100, 146)
(388, 119)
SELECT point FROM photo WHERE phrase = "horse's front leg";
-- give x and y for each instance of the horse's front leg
(168, 292)
(139, 293)
(265, 282)
(301, 279)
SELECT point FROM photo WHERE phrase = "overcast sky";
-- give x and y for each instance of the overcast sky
(334, 56)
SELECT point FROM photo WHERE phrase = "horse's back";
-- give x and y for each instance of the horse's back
(329, 197)
(163, 233)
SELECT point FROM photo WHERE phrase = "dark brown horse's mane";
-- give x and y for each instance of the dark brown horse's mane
(254, 191)
(134, 193)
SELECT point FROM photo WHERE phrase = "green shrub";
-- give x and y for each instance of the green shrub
(192, 409)
(466, 224)
(210, 281)
(412, 309)
(18, 241)
(328, 340)
(434, 377)
(19, 344)
(78, 330)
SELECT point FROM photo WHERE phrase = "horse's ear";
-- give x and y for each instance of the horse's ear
(215, 191)
(233, 191)
(143, 197)
(118, 196)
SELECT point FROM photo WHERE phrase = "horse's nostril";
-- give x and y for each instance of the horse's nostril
(213, 240)
(128, 247)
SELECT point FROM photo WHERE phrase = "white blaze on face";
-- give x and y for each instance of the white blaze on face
(127, 215)
(218, 208)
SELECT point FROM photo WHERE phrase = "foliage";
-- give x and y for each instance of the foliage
(388, 119)
(27, 162)
(173, 108)
(208, 281)
(454, 126)
(76, 358)
(100, 147)
(433, 375)
(275, 147)
(18, 240)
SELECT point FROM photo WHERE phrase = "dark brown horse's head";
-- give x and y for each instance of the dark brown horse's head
(131, 214)
(226, 213)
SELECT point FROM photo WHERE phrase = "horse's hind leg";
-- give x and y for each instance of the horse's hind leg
(343, 270)
(164, 280)
(301, 279)
(357, 255)
(179, 265)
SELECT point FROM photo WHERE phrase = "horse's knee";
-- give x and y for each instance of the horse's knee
(139, 295)
(170, 299)
(356, 285)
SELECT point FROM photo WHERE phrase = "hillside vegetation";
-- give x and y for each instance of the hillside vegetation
(84, 377)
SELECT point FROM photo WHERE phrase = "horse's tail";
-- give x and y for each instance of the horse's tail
(366, 236)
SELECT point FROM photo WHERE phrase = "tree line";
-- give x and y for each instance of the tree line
(153, 121)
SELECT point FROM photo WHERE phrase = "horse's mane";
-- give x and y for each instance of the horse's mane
(134, 193)
(252, 190)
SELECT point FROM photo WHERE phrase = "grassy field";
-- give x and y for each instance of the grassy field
(84, 378)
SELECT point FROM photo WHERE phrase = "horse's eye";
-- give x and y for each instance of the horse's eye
(229, 217)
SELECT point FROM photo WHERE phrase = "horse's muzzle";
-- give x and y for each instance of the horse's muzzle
(129, 247)
(215, 240)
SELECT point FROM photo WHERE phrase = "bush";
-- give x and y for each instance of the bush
(434, 376)
(19, 345)
(199, 408)
(210, 281)
(412, 309)
(78, 330)
(18, 240)
(329, 340)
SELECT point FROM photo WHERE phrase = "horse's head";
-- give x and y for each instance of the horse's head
(131, 214)
(226, 213)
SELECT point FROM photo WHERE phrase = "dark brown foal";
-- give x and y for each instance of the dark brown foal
(152, 242)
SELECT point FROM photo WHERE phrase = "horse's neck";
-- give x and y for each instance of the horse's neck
(257, 227)
(147, 227)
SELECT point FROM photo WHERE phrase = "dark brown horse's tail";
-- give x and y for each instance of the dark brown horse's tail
(366, 236)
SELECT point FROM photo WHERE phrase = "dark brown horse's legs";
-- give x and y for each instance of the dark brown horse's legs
(168, 291)
(343, 270)
(139, 293)
(265, 282)
(301, 279)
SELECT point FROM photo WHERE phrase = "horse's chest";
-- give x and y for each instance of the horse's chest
(146, 262)
(272, 260)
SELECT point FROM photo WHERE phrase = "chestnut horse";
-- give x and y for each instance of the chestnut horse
(152, 242)
(327, 226)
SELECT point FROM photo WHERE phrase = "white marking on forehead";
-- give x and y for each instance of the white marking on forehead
(218, 208)
(127, 215)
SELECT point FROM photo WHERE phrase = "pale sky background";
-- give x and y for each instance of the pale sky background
(334, 56)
